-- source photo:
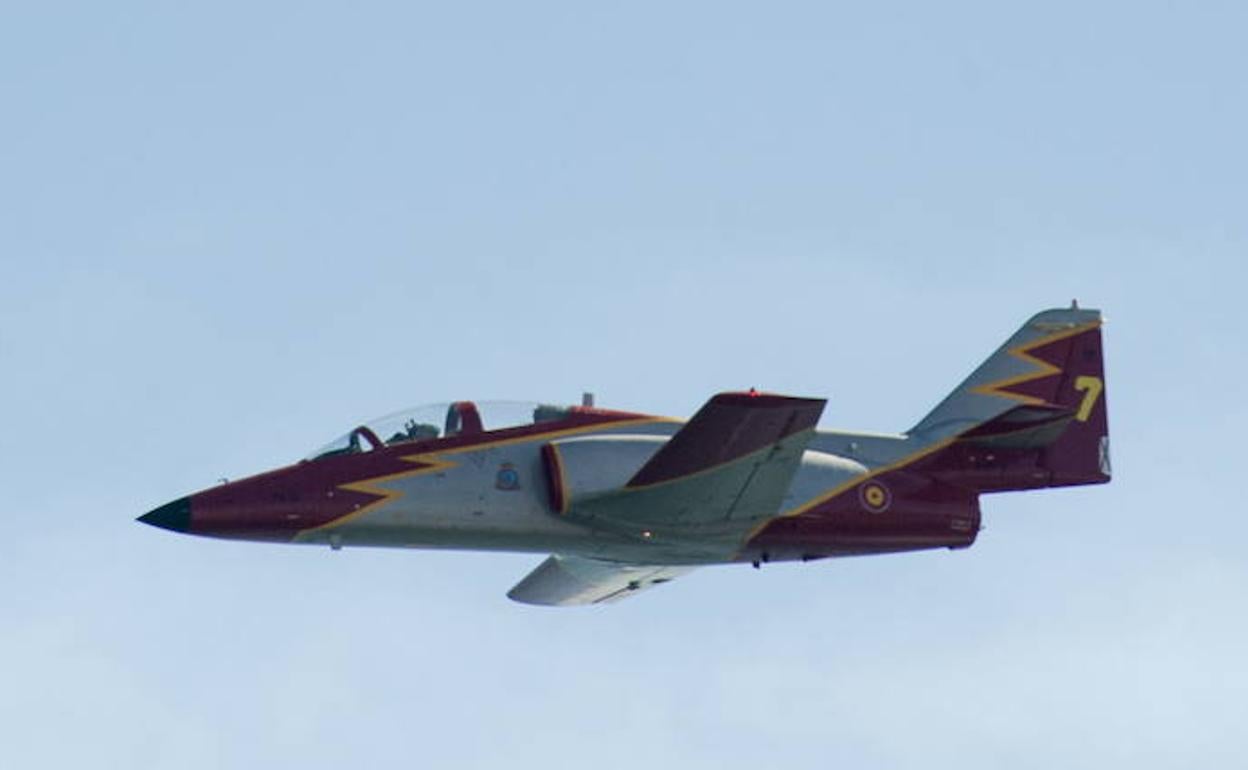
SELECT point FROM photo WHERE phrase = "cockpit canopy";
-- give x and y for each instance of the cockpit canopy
(445, 420)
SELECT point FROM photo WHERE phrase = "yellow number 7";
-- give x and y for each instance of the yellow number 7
(1091, 388)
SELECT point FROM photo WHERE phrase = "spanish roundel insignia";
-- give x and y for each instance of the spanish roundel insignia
(875, 497)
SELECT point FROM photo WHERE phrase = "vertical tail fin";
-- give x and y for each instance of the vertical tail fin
(1033, 414)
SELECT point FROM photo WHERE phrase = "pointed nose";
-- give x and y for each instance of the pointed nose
(175, 516)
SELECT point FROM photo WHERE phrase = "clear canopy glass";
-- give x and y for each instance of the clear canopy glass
(433, 421)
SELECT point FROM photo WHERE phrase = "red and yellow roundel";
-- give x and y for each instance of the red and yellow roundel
(875, 497)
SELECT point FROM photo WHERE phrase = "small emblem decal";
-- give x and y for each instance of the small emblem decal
(875, 497)
(508, 479)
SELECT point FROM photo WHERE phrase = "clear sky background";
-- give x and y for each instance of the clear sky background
(231, 231)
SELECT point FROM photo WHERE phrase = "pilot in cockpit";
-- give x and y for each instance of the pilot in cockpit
(414, 431)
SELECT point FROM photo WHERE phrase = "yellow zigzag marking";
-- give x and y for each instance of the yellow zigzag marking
(1043, 368)
(371, 486)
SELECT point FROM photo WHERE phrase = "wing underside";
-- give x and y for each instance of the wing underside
(563, 581)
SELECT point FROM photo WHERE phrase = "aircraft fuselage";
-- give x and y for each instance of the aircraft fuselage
(493, 491)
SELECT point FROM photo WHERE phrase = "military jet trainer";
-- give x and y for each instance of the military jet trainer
(625, 501)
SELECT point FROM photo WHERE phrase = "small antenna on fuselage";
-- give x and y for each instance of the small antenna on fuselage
(587, 399)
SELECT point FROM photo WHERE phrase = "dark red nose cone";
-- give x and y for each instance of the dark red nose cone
(175, 516)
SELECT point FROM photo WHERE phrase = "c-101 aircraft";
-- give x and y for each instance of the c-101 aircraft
(625, 501)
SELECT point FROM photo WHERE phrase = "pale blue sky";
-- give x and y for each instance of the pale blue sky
(230, 232)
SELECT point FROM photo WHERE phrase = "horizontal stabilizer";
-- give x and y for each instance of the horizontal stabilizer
(564, 581)
(1023, 427)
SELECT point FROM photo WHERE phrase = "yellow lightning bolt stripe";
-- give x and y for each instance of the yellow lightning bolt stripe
(430, 462)
(433, 462)
(1043, 368)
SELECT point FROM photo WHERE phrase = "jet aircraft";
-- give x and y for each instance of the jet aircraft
(624, 501)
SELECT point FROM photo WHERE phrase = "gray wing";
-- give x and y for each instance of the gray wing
(565, 581)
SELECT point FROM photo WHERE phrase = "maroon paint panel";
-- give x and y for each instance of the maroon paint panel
(728, 427)
(279, 504)
(920, 513)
